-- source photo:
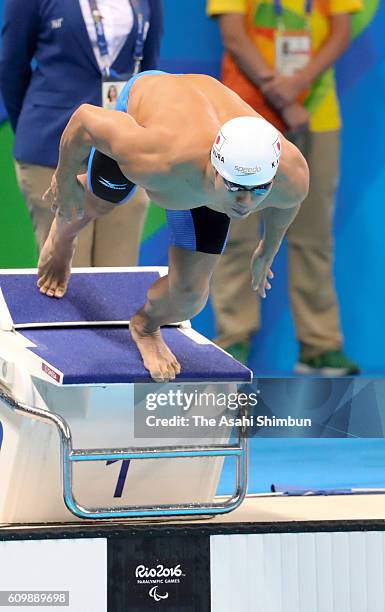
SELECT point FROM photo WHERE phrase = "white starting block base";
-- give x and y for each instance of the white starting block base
(99, 417)
(77, 366)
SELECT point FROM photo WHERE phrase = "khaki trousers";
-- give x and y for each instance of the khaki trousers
(310, 248)
(111, 240)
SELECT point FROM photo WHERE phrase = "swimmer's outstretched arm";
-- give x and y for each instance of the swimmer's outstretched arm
(276, 223)
(115, 134)
(280, 209)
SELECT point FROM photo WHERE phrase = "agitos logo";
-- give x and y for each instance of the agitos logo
(153, 592)
(159, 577)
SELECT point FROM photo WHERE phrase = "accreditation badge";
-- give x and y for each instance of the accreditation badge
(292, 51)
(110, 92)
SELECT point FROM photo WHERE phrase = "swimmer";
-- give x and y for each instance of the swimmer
(203, 155)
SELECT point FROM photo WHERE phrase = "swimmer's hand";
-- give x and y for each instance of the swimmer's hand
(260, 271)
(65, 197)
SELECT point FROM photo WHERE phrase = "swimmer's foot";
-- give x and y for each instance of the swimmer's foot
(157, 357)
(54, 267)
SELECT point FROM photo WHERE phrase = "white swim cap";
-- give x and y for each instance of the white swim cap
(246, 151)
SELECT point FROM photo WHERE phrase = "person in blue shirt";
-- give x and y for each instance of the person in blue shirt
(77, 48)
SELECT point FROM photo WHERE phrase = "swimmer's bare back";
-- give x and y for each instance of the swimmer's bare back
(186, 111)
(176, 102)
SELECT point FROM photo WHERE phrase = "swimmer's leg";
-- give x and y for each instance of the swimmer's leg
(180, 295)
(54, 267)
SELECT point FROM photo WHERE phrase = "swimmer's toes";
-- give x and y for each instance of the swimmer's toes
(154, 371)
(157, 376)
(45, 285)
(41, 280)
(171, 373)
(176, 365)
(52, 288)
(166, 373)
(174, 370)
(161, 372)
(60, 291)
(48, 288)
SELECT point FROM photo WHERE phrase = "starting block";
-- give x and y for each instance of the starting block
(70, 380)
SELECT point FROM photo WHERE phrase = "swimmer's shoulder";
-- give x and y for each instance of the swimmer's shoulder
(291, 158)
(291, 183)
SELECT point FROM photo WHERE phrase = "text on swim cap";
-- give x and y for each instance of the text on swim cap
(218, 156)
(243, 170)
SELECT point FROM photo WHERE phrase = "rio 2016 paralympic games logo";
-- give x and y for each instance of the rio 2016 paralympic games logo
(158, 577)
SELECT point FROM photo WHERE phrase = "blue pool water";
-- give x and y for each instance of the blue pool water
(311, 463)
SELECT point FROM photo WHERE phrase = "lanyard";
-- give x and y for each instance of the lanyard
(100, 36)
(142, 12)
(279, 9)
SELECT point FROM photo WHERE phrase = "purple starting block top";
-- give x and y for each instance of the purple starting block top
(98, 297)
(108, 355)
(78, 338)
